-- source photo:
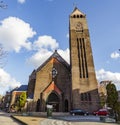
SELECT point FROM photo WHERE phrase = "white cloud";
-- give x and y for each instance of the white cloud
(46, 42)
(7, 82)
(21, 1)
(45, 47)
(43, 54)
(65, 54)
(67, 35)
(115, 55)
(39, 57)
(14, 34)
(108, 75)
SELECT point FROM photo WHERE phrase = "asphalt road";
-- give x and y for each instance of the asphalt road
(75, 120)
(5, 119)
(80, 118)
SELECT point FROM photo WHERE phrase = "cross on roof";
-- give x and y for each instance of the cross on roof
(74, 4)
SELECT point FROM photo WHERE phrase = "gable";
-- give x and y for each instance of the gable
(44, 76)
(52, 58)
(52, 87)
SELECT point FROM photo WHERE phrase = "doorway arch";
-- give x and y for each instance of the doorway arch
(38, 105)
(66, 105)
(54, 100)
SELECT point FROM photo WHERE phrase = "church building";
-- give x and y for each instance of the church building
(67, 86)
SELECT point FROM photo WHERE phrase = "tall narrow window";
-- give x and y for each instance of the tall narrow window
(79, 57)
(86, 99)
(82, 56)
(82, 97)
(85, 58)
(89, 96)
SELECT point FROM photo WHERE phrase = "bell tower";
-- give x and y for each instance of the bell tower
(84, 83)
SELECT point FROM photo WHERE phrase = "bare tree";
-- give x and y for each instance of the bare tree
(2, 52)
(2, 5)
(3, 55)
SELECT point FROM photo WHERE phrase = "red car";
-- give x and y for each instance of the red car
(103, 112)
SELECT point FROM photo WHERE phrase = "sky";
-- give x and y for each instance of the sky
(31, 30)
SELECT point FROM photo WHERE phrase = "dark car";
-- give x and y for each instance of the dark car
(103, 112)
(78, 112)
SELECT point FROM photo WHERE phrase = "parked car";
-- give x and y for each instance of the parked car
(78, 112)
(103, 112)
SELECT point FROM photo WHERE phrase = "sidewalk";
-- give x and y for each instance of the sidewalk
(29, 120)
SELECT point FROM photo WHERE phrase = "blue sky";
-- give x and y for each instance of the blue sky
(30, 31)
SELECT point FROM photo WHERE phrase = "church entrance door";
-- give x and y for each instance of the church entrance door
(54, 100)
(66, 105)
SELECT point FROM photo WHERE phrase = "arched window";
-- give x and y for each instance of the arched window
(81, 16)
(77, 16)
(74, 16)
(38, 105)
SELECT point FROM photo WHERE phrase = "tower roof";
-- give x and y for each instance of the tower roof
(76, 11)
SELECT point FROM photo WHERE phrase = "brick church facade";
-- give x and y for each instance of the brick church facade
(67, 86)
(51, 84)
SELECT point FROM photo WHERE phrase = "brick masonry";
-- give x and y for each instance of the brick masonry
(74, 85)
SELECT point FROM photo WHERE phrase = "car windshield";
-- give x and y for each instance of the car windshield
(78, 110)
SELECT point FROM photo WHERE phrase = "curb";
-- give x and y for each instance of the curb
(18, 120)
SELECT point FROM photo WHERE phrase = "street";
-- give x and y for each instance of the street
(80, 118)
(5, 119)
(75, 120)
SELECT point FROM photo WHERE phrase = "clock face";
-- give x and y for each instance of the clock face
(79, 26)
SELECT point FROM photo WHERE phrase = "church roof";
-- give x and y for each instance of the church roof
(76, 11)
(21, 88)
(30, 96)
(56, 56)
(32, 75)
